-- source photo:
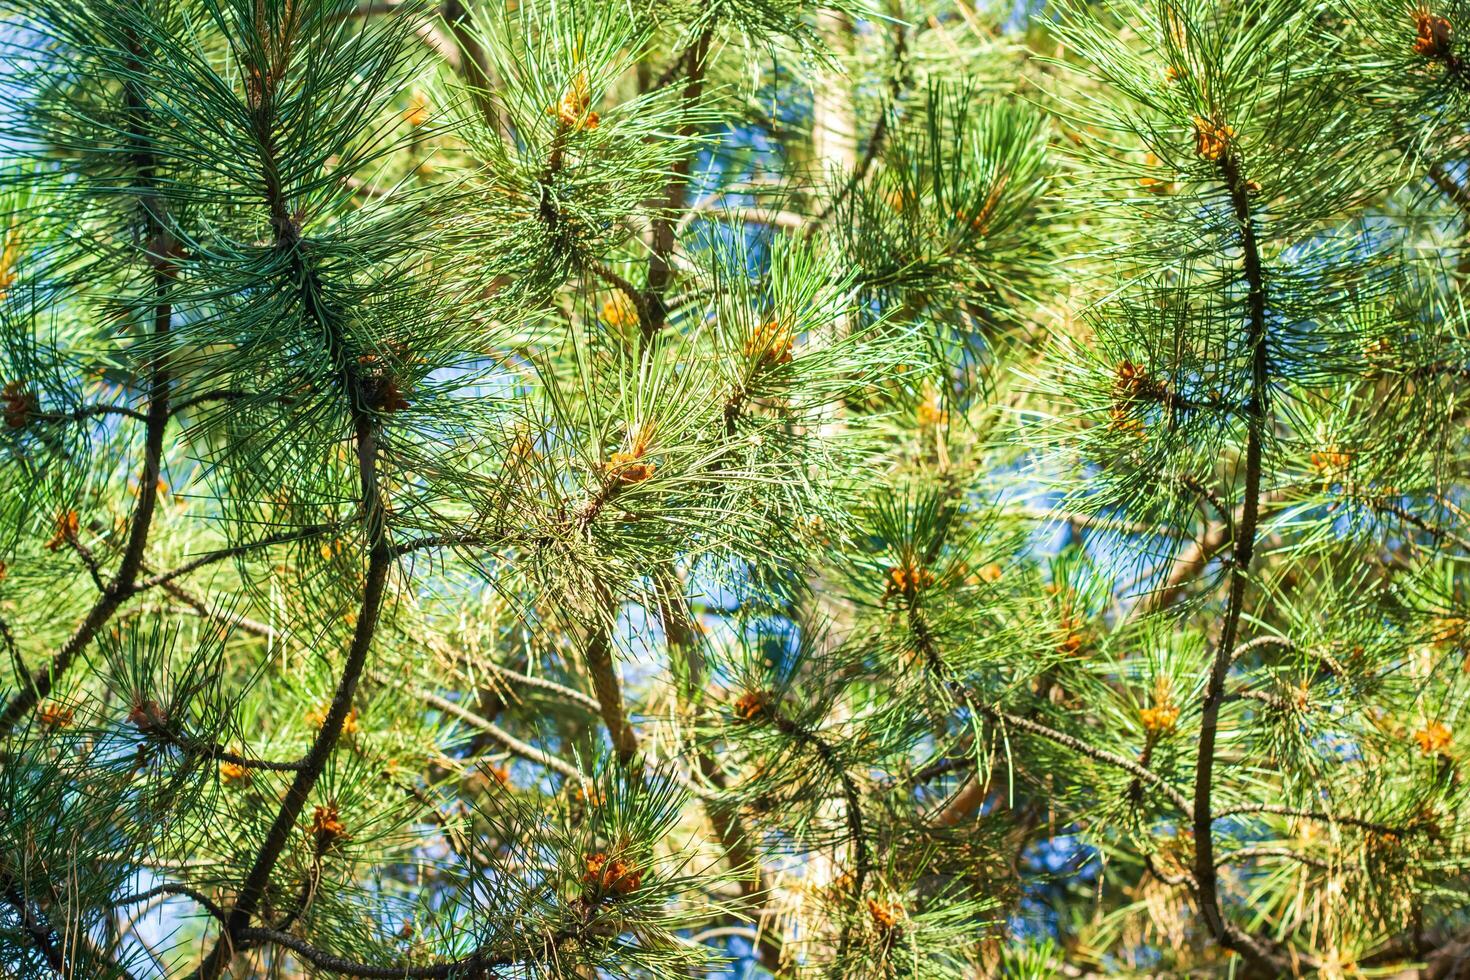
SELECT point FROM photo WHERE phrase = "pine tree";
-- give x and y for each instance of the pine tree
(661, 489)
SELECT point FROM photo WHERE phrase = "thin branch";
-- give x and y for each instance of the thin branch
(1259, 643)
(1452, 188)
(37, 929)
(664, 227)
(776, 218)
(729, 828)
(1188, 565)
(18, 662)
(473, 64)
(1092, 521)
(962, 698)
(1434, 531)
(222, 395)
(1091, 751)
(1173, 881)
(458, 539)
(229, 620)
(965, 801)
(551, 687)
(1208, 496)
(218, 753)
(174, 888)
(90, 411)
(517, 678)
(430, 35)
(622, 285)
(896, 81)
(235, 551)
(89, 559)
(1279, 810)
(520, 748)
(1257, 851)
(853, 806)
(476, 963)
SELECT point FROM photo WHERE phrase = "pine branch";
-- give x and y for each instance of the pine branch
(42, 934)
(609, 691)
(36, 928)
(303, 277)
(523, 749)
(625, 287)
(90, 411)
(852, 808)
(898, 79)
(229, 621)
(477, 962)
(1258, 419)
(1258, 851)
(472, 63)
(1452, 188)
(1414, 520)
(1258, 643)
(1093, 752)
(220, 395)
(236, 551)
(1276, 809)
(174, 888)
(218, 753)
(542, 684)
(1188, 566)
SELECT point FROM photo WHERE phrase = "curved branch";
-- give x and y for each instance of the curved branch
(218, 753)
(1261, 953)
(426, 32)
(963, 699)
(880, 128)
(173, 888)
(1168, 879)
(739, 846)
(691, 63)
(303, 277)
(1414, 520)
(1260, 642)
(90, 411)
(475, 963)
(221, 554)
(542, 684)
(852, 798)
(428, 541)
(1093, 752)
(37, 929)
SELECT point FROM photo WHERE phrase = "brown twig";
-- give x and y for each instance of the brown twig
(607, 687)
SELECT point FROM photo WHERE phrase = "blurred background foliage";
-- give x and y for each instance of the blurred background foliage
(640, 488)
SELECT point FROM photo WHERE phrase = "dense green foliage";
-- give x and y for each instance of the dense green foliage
(657, 489)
